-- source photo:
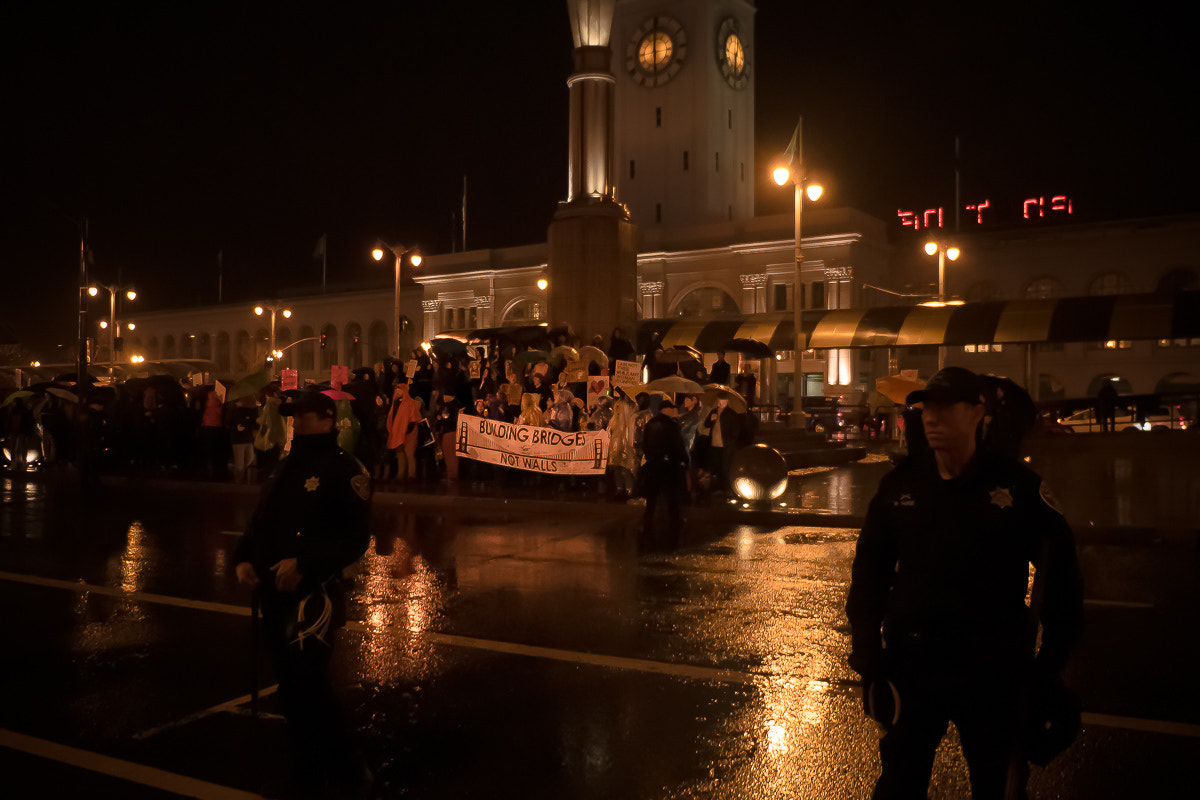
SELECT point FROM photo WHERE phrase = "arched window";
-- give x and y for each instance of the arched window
(982, 292)
(1120, 384)
(203, 346)
(1042, 289)
(306, 349)
(1180, 279)
(168, 346)
(1110, 283)
(222, 354)
(243, 352)
(706, 301)
(152, 351)
(377, 342)
(354, 345)
(329, 356)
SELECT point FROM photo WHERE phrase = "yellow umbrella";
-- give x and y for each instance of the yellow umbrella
(897, 387)
(715, 391)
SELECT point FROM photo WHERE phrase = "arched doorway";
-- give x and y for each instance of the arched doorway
(705, 301)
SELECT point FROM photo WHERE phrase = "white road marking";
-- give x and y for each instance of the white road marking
(124, 770)
(685, 671)
(229, 706)
(1117, 603)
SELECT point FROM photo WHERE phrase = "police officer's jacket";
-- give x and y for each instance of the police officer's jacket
(945, 564)
(314, 508)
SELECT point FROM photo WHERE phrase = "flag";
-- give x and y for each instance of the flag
(319, 252)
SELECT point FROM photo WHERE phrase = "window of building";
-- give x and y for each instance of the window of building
(632, 169)
(1111, 344)
(743, 167)
(982, 292)
(1178, 342)
(716, 162)
(658, 212)
(1042, 289)
(1110, 283)
(685, 159)
(818, 294)
(658, 117)
(780, 297)
(731, 119)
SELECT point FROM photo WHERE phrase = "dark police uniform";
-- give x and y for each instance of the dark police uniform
(941, 568)
(664, 473)
(313, 508)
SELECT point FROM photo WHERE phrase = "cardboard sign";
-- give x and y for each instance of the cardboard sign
(512, 393)
(290, 379)
(576, 371)
(545, 450)
(475, 370)
(626, 373)
(410, 369)
(338, 376)
(597, 387)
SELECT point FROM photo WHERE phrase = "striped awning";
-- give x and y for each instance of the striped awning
(1067, 319)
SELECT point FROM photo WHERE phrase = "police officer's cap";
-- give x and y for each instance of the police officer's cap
(948, 386)
(309, 399)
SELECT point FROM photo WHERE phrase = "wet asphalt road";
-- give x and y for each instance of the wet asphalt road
(508, 654)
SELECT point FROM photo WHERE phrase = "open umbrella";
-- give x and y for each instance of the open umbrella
(749, 347)
(897, 387)
(63, 394)
(675, 384)
(594, 355)
(526, 357)
(447, 346)
(338, 394)
(249, 385)
(564, 353)
(678, 353)
(17, 395)
(716, 391)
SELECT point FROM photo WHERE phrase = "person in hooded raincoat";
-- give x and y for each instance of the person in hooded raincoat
(403, 417)
(622, 458)
(531, 414)
(561, 414)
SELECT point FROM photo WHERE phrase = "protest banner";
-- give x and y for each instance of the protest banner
(627, 373)
(544, 450)
(290, 379)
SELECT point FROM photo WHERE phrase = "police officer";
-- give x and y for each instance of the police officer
(310, 525)
(663, 473)
(937, 604)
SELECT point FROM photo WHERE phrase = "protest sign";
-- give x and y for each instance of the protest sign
(338, 376)
(576, 371)
(544, 450)
(474, 370)
(512, 393)
(627, 373)
(290, 379)
(597, 387)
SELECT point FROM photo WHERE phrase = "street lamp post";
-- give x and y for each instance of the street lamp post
(400, 252)
(943, 252)
(274, 309)
(113, 291)
(792, 169)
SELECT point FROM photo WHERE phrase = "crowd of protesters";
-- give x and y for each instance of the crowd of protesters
(398, 417)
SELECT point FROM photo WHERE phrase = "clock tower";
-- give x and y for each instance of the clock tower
(684, 118)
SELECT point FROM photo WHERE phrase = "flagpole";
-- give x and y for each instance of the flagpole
(220, 273)
(324, 260)
(464, 214)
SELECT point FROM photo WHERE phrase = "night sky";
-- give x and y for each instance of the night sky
(184, 129)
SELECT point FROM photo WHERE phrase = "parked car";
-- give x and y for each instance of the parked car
(1085, 420)
(835, 419)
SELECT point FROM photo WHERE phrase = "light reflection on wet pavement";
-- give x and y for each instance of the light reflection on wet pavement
(439, 713)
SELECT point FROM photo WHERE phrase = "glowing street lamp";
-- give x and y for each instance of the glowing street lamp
(943, 251)
(791, 168)
(111, 324)
(272, 353)
(402, 254)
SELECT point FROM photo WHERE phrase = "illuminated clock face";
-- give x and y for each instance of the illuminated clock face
(731, 55)
(656, 51)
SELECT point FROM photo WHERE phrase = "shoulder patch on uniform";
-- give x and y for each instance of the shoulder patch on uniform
(1049, 498)
(361, 484)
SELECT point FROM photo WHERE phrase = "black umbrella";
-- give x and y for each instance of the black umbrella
(679, 353)
(447, 346)
(749, 347)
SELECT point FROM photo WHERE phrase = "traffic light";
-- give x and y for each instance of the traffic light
(356, 341)
(323, 337)
(118, 344)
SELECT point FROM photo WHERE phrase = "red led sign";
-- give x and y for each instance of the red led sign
(1032, 208)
